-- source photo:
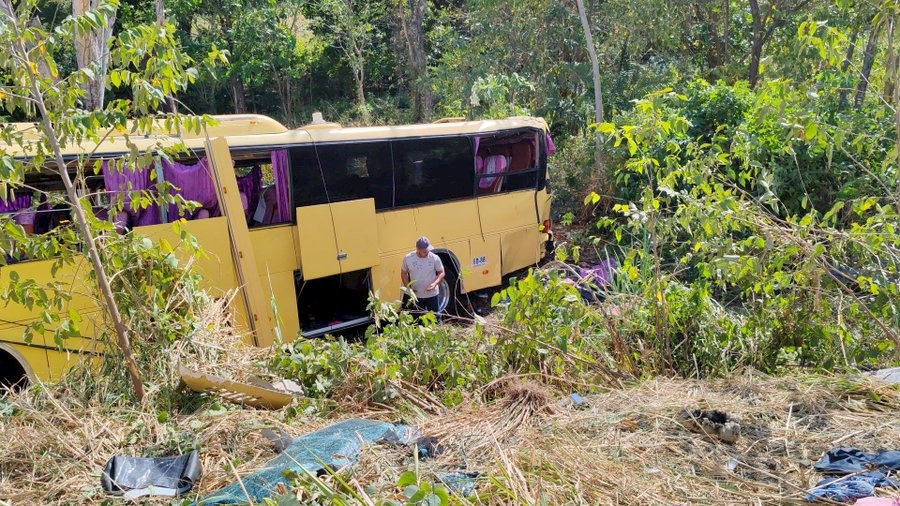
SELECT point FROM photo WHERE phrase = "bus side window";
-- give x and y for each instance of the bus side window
(306, 178)
(431, 170)
(358, 171)
(508, 161)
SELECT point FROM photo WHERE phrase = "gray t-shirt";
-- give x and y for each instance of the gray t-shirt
(422, 272)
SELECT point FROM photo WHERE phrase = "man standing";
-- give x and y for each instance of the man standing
(426, 271)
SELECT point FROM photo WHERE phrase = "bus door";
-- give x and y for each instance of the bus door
(338, 245)
(337, 238)
(253, 304)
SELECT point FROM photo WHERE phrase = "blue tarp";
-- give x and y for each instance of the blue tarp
(334, 446)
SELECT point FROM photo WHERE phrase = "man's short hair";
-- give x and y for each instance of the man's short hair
(423, 243)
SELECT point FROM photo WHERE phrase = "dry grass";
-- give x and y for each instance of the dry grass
(627, 447)
(215, 348)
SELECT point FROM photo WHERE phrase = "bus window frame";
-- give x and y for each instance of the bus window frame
(540, 168)
(270, 148)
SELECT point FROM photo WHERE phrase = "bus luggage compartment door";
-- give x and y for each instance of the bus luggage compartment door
(337, 238)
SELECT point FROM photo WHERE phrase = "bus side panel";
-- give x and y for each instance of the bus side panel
(74, 280)
(521, 248)
(75, 350)
(396, 230)
(275, 249)
(215, 264)
(317, 241)
(276, 261)
(447, 223)
(482, 268)
(281, 286)
(386, 277)
(508, 211)
(460, 250)
(356, 233)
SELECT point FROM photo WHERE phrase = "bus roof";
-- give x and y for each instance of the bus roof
(244, 131)
(227, 125)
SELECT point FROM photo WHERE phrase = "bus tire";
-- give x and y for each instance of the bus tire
(449, 288)
(14, 375)
(455, 303)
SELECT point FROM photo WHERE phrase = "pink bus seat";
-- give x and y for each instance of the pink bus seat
(494, 164)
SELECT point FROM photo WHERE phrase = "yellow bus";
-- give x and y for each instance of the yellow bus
(313, 218)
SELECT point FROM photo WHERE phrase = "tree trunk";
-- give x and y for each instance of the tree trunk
(359, 75)
(868, 60)
(90, 49)
(237, 95)
(595, 66)
(726, 33)
(283, 87)
(90, 242)
(756, 46)
(845, 65)
(714, 48)
(411, 14)
(599, 177)
(890, 73)
(161, 22)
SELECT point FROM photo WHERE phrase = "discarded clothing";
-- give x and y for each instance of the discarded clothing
(852, 460)
(600, 274)
(164, 476)
(873, 467)
(845, 490)
(593, 280)
(333, 447)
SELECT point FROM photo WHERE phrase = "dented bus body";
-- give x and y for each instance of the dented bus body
(312, 218)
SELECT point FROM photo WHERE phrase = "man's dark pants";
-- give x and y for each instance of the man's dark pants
(430, 304)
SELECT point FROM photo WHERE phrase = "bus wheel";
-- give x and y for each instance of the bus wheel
(12, 373)
(443, 295)
(448, 293)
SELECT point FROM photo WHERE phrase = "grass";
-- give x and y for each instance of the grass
(521, 433)
(530, 444)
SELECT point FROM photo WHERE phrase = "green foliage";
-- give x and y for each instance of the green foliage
(402, 350)
(545, 329)
(730, 269)
(545, 326)
(143, 289)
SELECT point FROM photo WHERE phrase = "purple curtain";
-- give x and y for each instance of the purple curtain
(551, 148)
(280, 168)
(192, 182)
(250, 185)
(21, 206)
(21, 201)
(125, 182)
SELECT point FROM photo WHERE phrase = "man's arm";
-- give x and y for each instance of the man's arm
(404, 277)
(404, 273)
(439, 269)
